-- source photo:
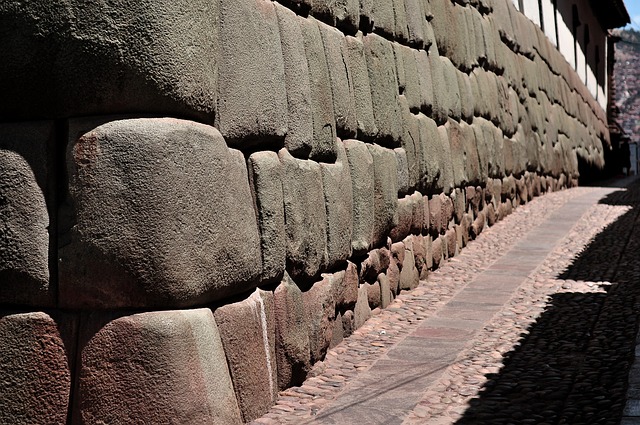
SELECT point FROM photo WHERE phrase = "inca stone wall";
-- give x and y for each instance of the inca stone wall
(199, 198)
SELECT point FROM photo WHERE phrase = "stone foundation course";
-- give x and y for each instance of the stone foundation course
(199, 199)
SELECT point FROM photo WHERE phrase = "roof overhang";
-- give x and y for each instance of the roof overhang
(610, 13)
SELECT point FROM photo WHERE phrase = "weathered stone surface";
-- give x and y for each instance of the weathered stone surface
(416, 22)
(324, 125)
(452, 243)
(420, 255)
(361, 167)
(472, 165)
(299, 138)
(165, 61)
(403, 170)
(409, 276)
(385, 199)
(338, 198)
(386, 296)
(373, 294)
(362, 311)
(320, 307)
(381, 15)
(291, 334)
(437, 222)
(437, 251)
(459, 204)
(337, 332)
(252, 97)
(167, 366)
(36, 354)
(425, 82)
(305, 217)
(341, 13)
(265, 176)
(411, 142)
(452, 92)
(348, 325)
(248, 334)
(24, 241)
(393, 275)
(154, 204)
(407, 57)
(384, 88)
(405, 219)
(344, 105)
(454, 133)
(436, 173)
(356, 62)
(439, 86)
(345, 289)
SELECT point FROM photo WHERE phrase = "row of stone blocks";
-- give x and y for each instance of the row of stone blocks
(264, 75)
(226, 363)
(160, 213)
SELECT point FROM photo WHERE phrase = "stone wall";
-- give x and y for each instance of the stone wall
(199, 198)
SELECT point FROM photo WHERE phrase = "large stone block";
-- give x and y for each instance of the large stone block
(338, 198)
(247, 330)
(385, 199)
(24, 224)
(252, 95)
(305, 217)
(411, 143)
(299, 138)
(292, 335)
(439, 86)
(425, 85)
(344, 14)
(159, 214)
(324, 125)
(320, 308)
(356, 62)
(436, 166)
(160, 367)
(454, 132)
(344, 105)
(72, 58)
(361, 168)
(416, 22)
(36, 353)
(384, 88)
(265, 176)
(472, 168)
(27, 185)
(382, 16)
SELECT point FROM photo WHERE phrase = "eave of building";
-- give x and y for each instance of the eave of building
(610, 13)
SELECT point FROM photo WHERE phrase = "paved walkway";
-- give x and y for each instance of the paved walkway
(534, 322)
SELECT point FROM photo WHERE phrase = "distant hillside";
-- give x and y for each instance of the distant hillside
(627, 81)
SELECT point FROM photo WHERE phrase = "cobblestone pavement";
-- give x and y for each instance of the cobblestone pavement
(534, 322)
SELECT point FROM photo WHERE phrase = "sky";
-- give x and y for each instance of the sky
(633, 7)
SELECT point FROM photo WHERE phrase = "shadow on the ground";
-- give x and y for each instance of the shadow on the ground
(572, 365)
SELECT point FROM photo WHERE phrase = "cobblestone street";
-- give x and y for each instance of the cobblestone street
(533, 323)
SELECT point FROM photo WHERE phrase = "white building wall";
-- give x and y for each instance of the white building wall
(580, 55)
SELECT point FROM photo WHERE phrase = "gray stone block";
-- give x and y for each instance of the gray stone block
(411, 143)
(452, 91)
(384, 88)
(153, 207)
(454, 132)
(67, 59)
(467, 100)
(471, 159)
(163, 366)
(436, 167)
(362, 311)
(362, 179)
(344, 287)
(24, 226)
(416, 22)
(403, 171)
(252, 97)
(37, 354)
(344, 14)
(305, 217)
(299, 138)
(385, 199)
(356, 63)
(409, 276)
(265, 177)
(338, 198)
(320, 308)
(324, 125)
(248, 330)
(342, 88)
(382, 16)
(291, 335)
(439, 110)
(425, 83)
